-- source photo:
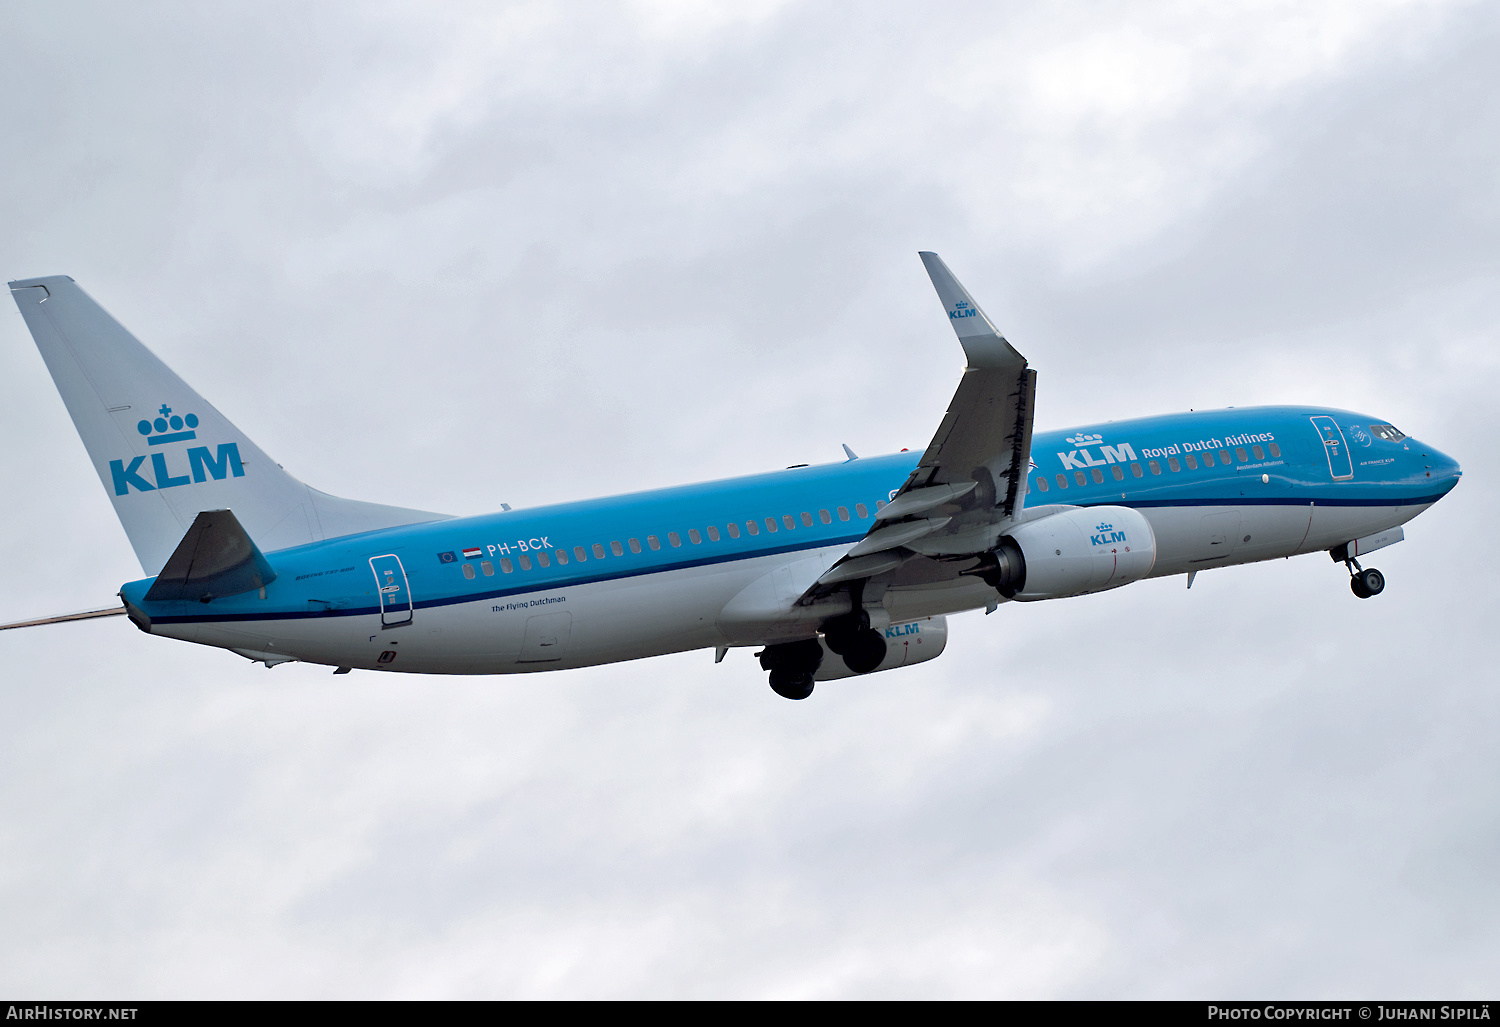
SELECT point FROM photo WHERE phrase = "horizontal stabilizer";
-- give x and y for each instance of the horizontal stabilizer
(215, 558)
(113, 611)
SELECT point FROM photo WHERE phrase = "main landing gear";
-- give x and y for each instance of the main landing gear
(1362, 582)
(849, 635)
(792, 665)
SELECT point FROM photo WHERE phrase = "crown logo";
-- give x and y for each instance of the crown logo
(1084, 440)
(1105, 527)
(169, 427)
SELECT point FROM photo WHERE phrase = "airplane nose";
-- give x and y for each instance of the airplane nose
(1441, 467)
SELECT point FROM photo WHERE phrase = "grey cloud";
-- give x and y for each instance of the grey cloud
(460, 260)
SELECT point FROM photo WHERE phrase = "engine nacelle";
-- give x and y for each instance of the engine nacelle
(906, 643)
(1074, 552)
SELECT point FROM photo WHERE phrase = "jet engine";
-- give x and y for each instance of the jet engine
(1088, 549)
(905, 644)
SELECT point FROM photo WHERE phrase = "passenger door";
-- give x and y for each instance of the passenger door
(395, 593)
(1335, 448)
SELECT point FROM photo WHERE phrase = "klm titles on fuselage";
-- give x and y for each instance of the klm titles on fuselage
(1081, 459)
(202, 465)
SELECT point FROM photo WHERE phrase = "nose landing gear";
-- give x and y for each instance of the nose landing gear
(1363, 583)
(1366, 583)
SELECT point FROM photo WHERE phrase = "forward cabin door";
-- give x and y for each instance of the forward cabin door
(1340, 465)
(395, 593)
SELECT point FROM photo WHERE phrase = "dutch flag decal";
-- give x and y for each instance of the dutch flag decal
(472, 554)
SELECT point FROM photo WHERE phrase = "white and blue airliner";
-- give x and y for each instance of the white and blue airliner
(831, 571)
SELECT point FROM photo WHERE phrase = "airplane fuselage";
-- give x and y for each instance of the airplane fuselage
(695, 567)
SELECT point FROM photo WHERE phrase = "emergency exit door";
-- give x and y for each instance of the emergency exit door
(395, 593)
(1334, 447)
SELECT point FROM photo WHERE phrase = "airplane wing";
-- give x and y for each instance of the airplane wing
(971, 480)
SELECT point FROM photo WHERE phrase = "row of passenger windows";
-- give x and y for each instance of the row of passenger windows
(581, 554)
(1118, 472)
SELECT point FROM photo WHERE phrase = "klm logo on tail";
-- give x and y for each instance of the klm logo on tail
(202, 465)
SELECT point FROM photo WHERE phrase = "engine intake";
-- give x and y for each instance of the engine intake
(1071, 553)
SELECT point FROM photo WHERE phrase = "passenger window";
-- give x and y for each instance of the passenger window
(1078, 476)
(653, 542)
(825, 516)
(694, 537)
(525, 562)
(562, 557)
(1192, 461)
(713, 533)
(1173, 465)
(543, 560)
(860, 511)
(505, 565)
(1154, 465)
(488, 568)
(1062, 481)
(752, 527)
(1208, 458)
(1041, 484)
(617, 549)
(843, 513)
(734, 530)
(598, 551)
(1239, 451)
(469, 571)
(635, 545)
(788, 521)
(1098, 476)
(1118, 472)
(1275, 450)
(1260, 454)
(806, 519)
(879, 505)
(770, 524)
(580, 554)
(1224, 457)
(674, 539)
(1135, 469)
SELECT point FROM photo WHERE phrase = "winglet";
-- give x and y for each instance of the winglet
(982, 342)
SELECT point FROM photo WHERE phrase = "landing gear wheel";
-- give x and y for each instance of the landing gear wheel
(792, 684)
(866, 652)
(1357, 586)
(1372, 582)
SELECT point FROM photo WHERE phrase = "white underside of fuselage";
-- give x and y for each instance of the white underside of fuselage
(742, 602)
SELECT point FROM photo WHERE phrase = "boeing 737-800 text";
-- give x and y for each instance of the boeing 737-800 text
(833, 570)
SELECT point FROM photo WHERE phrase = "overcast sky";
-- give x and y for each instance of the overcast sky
(448, 256)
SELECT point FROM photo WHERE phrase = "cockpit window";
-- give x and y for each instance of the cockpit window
(1388, 432)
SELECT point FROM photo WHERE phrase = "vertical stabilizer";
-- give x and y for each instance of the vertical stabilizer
(163, 453)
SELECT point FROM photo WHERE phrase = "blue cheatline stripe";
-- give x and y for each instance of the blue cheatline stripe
(528, 589)
(1245, 501)
(427, 604)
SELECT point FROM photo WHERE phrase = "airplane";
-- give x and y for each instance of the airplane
(832, 571)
